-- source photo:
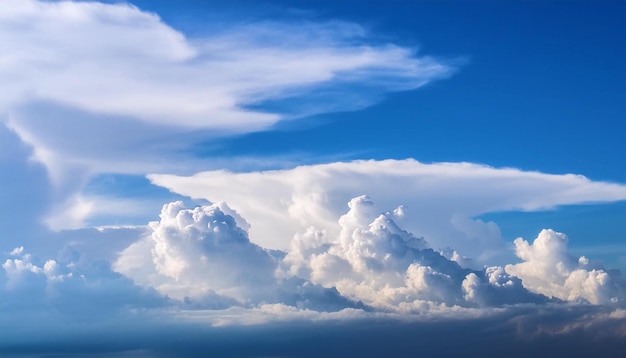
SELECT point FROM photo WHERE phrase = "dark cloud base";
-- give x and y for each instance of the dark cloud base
(564, 332)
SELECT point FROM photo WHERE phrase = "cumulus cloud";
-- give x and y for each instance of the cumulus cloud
(496, 287)
(196, 251)
(440, 200)
(197, 269)
(374, 261)
(68, 287)
(203, 257)
(548, 268)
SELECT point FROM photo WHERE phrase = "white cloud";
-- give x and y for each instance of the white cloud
(374, 261)
(15, 268)
(201, 256)
(74, 212)
(372, 270)
(17, 251)
(192, 252)
(496, 287)
(90, 60)
(69, 287)
(549, 269)
(440, 200)
(79, 84)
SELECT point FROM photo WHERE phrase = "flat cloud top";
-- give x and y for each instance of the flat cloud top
(439, 200)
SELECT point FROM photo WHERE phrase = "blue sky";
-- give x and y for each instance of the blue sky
(397, 163)
(526, 71)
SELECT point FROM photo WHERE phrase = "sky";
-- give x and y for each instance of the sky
(297, 178)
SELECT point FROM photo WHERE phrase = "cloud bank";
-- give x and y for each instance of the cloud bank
(201, 259)
(203, 255)
(195, 270)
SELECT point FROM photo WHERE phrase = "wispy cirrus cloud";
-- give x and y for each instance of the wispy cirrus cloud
(110, 88)
(118, 69)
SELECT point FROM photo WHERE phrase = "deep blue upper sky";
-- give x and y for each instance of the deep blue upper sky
(542, 87)
(539, 86)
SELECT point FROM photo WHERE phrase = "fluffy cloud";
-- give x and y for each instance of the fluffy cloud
(440, 200)
(549, 269)
(196, 269)
(192, 252)
(374, 261)
(203, 257)
(71, 286)
(496, 287)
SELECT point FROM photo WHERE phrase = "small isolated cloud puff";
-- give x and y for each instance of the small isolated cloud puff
(549, 269)
(440, 200)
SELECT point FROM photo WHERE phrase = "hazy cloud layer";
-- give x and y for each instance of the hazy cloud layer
(581, 331)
